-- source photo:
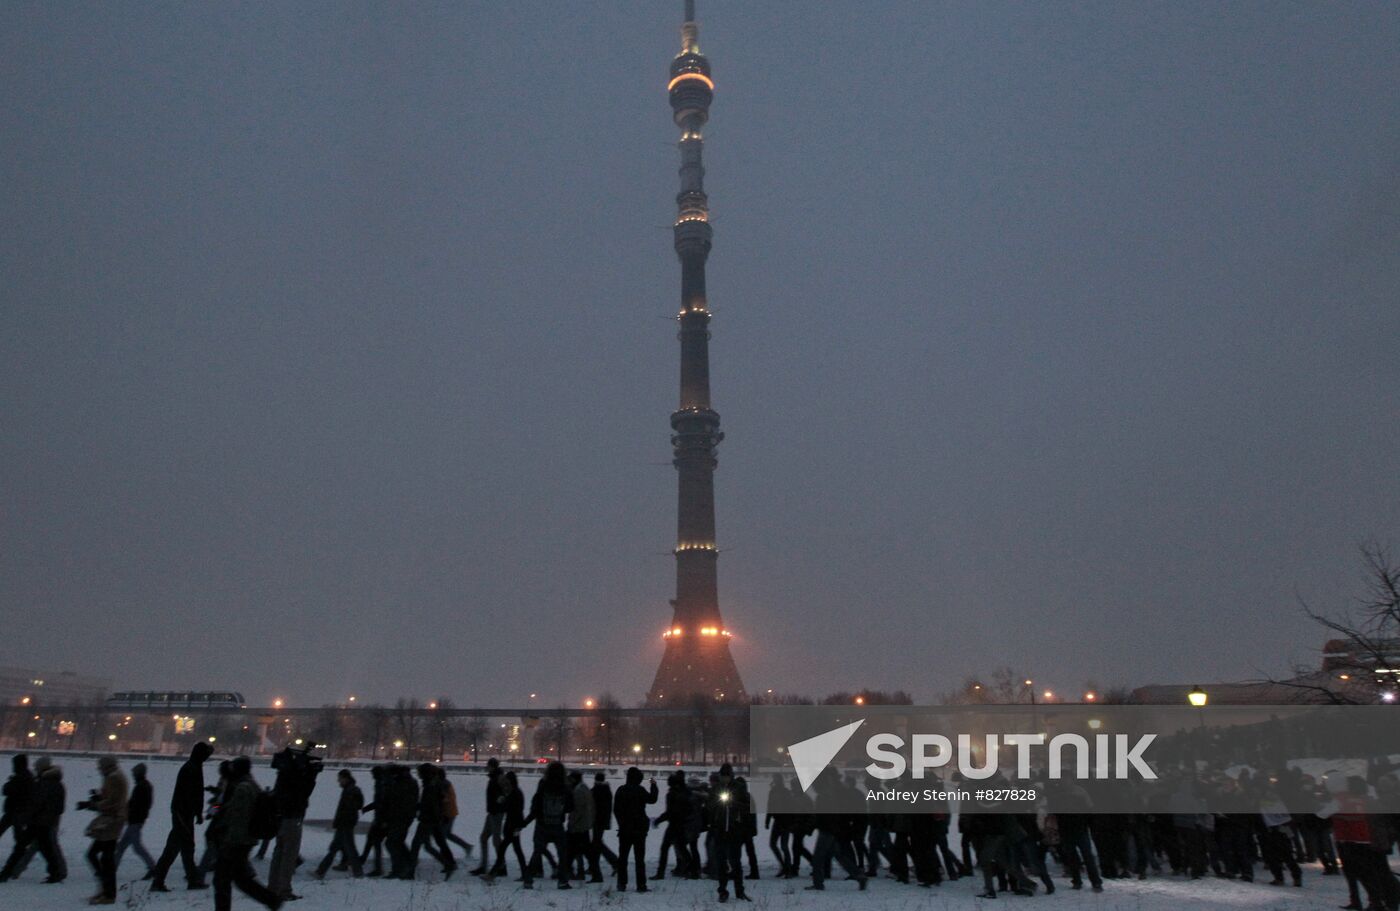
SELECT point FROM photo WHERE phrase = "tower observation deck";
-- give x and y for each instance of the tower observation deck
(697, 660)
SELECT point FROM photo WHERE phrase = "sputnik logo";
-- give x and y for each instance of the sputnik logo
(811, 756)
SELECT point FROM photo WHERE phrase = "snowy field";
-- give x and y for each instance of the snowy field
(467, 893)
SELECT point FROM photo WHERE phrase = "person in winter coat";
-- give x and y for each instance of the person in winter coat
(727, 812)
(833, 832)
(347, 816)
(602, 821)
(110, 804)
(450, 812)
(430, 824)
(510, 808)
(18, 807)
(676, 816)
(549, 811)
(296, 780)
(492, 822)
(41, 835)
(374, 841)
(186, 811)
(232, 830)
(580, 830)
(400, 806)
(630, 807)
(138, 810)
(776, 822)
(18, 791)
(800, 824)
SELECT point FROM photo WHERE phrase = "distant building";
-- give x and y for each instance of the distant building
(48, 688)
(1349, 673)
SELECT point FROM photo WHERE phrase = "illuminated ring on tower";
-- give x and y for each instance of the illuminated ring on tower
(684, 76)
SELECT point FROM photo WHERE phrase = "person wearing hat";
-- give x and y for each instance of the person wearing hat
(110, 804)
(138, 810)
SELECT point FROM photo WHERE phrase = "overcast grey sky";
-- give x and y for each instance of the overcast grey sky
(337, 343)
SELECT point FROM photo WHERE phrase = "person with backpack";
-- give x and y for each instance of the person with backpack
(630, 807)
(549, 811)
(347, 816)
(138, 810)
(245, 812)
(186, 811)
(110, 804)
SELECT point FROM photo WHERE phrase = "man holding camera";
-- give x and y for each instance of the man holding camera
(296, 779)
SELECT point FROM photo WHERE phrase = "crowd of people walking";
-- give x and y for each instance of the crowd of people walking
(709, 829)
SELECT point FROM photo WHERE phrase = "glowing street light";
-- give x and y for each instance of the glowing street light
(636, 748)
(860, 700)
(352, 698)
(589, 703)
(277, 703)
(433, 705)
(25, 700)
(111, 736)
(1197, 697)
(1090, 697)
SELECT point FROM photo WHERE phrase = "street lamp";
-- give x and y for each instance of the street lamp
(1197, 697)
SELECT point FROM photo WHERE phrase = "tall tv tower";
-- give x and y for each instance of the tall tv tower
(697, 659)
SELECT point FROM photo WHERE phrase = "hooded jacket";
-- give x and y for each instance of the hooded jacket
(19, 791)
(110, 805)
(49, 798)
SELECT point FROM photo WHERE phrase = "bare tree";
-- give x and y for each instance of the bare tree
(476, 730)
(379, 719)
(407, 721)
(557, 730)
(1366, 649)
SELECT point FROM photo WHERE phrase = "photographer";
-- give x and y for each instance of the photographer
(109, 802)
(296, 779)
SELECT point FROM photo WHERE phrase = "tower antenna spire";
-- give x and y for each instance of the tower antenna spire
(697, 662)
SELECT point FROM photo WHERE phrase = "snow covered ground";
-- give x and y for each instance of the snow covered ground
(467, 893)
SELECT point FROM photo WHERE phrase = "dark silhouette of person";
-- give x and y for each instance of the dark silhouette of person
(186, 811)
(630, 807)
